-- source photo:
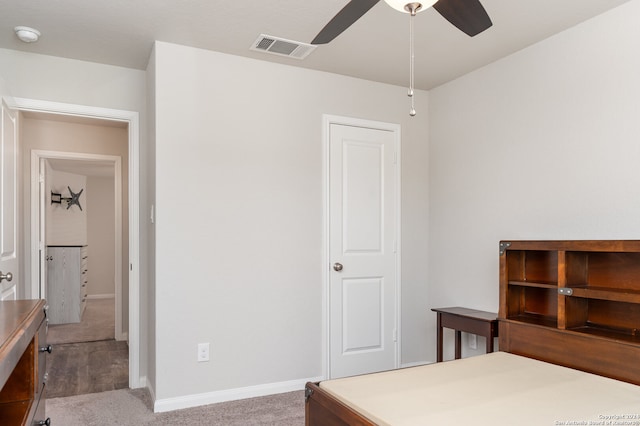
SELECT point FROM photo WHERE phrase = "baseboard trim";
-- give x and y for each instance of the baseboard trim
(189, 401)
(150, 389)
(101, 296)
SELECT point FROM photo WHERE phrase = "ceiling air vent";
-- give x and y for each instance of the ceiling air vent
(282, 47)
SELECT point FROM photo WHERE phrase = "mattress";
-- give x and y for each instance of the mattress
(493, 389)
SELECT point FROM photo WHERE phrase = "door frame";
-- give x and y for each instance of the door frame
(327, 121)
(11, 263)
(132, 119)
(38, 208)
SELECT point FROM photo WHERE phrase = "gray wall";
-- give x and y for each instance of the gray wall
(548, 149)
(101, 239)
(239, 217)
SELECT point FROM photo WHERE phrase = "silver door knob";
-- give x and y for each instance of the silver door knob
(337, 267)
(8, 276)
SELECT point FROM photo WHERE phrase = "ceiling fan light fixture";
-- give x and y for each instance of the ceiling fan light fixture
(405, 6)
(27, 34)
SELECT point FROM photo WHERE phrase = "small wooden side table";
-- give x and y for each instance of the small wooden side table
(468, 320)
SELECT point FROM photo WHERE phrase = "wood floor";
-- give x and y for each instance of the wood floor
(85, 357)
(87, 367)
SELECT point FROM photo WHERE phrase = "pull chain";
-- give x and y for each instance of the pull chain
(412, 14)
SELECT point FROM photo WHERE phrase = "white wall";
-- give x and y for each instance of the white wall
(239, 216)
(51, 78)
(66, 226)
(100, 236)
(541, 145)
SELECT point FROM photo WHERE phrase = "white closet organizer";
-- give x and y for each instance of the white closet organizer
(66, 283)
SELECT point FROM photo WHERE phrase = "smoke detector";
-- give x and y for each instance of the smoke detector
(27, 34)
(282, 47)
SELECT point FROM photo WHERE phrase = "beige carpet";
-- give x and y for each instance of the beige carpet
(70, 373)
(133, 407)
(98, 323)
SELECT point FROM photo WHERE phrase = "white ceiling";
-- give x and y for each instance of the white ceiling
(77, 119)
(94, 168)
(121, 32)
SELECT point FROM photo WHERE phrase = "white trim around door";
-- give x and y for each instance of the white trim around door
(38, 224)
(327, 122)
(132, 119)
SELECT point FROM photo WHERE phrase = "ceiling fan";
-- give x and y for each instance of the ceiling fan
(469, 16)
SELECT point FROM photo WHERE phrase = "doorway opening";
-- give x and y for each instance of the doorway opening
(97, 230)
(129, 266)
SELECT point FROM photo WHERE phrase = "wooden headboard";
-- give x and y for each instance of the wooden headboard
(573, 303)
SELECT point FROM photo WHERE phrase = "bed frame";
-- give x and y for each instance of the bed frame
(586, 353)
(608, 353)
(322, 409)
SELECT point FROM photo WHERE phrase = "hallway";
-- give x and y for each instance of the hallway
(85, 357)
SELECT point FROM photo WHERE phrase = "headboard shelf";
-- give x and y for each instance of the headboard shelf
(631, 336)
(535, 319)
(573, 303)
(607, 293)
(551, 286)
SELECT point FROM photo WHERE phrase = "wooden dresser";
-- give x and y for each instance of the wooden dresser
(23, 349)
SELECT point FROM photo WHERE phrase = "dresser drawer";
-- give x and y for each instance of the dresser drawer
(44, 349)
(38, 413)
(23, 363)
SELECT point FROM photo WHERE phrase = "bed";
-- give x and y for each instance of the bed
(569, 352)
(492, 389)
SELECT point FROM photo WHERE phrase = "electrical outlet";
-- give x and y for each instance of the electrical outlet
(203, 352)
(473, 341)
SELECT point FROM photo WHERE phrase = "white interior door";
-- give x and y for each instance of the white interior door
(363, 261)
(9, 262)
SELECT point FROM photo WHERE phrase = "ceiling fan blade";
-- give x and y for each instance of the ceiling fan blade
(467, 15)
(343, 20)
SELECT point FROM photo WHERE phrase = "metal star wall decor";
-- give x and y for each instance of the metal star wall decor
(75, 198)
